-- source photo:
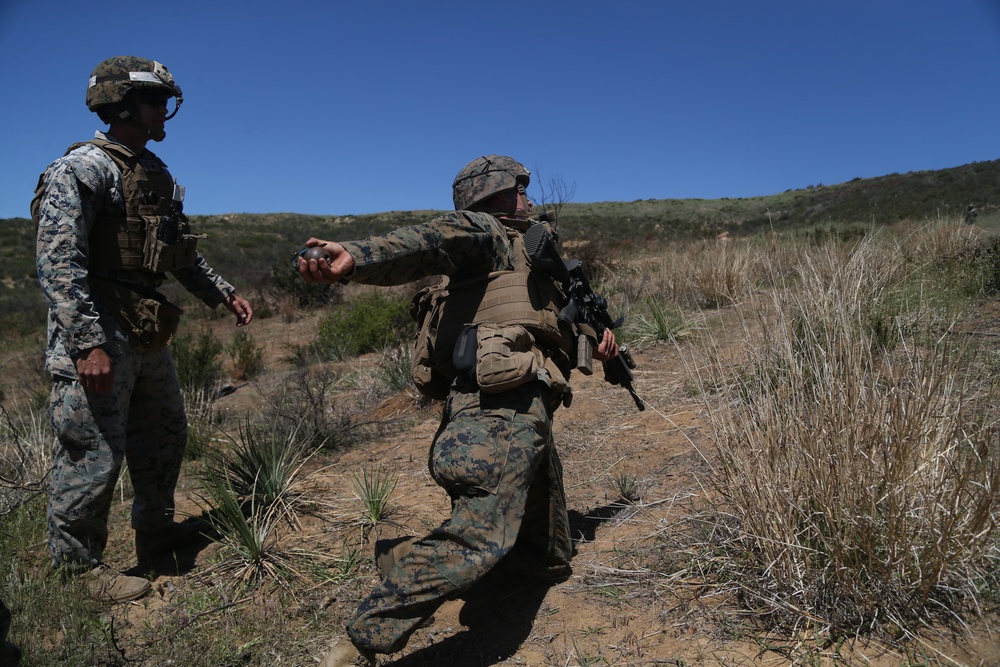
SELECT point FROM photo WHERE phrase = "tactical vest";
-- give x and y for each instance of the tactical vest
(518, 297)
(153, 235)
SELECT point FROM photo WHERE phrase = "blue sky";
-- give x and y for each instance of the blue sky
(338, 108)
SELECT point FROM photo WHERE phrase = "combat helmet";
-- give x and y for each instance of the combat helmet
(486, 176)
(112, 81)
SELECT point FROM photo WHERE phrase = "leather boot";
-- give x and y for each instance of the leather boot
(346, 654)
(111, 586)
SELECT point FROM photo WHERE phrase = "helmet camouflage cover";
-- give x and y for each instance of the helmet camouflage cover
(113, 78)
(486, 176)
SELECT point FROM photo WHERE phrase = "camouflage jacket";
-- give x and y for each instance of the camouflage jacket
(490, 281)
(461, 245)
(76, 185)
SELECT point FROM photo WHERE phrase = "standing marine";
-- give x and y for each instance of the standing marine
(110, 227)
(491, 344)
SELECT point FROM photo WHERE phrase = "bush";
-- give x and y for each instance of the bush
(197, 362)
(370, 323)
(247, 356)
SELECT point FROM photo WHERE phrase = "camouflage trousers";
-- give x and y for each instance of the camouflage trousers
(495, 457)
(142, 421)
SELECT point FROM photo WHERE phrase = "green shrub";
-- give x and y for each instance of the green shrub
(369, 323)
(247, 356)
(197, 362)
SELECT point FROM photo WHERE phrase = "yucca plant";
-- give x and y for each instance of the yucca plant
(247, 532)
(626, 485)
(373, 490)
(661, 324)
(263, 467)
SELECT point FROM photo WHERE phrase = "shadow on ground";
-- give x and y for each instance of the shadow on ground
(183, 558)
(500, 611)
(497, 617)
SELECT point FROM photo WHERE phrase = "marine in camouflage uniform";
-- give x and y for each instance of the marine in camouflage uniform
(493, 453)
(115, 395)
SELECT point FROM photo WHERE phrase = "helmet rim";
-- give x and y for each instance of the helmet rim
(486, 176)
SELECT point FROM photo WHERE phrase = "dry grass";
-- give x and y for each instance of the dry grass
(858, 462)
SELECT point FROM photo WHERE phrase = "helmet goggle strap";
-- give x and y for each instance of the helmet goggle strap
(157, 98)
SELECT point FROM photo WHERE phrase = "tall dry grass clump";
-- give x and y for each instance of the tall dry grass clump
(25, 455)
(857, 458)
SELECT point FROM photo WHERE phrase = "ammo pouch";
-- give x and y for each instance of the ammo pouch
(169, 243)
(427, 363)
(506, 357)
(149, 321)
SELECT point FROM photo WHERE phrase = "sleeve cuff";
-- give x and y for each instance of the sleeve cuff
(83, 338)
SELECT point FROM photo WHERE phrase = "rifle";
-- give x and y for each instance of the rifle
(583, 306)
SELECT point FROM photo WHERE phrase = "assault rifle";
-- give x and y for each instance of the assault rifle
(583, 306)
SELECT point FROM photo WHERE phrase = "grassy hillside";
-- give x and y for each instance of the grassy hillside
(249, 248)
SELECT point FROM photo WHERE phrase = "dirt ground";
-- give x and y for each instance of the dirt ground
(622, 605)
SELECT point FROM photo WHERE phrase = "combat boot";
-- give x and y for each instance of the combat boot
(152, 546)
(345, 654)
(109, 585)
(10, 655)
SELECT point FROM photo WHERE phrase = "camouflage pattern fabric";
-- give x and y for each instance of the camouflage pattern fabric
(494, 456)
(110, 81)
(493, 453)
(486, 176)
(76, 187)
(142, 419)
(460, 244)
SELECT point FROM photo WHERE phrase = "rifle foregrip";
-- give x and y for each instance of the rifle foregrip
(584, 355)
